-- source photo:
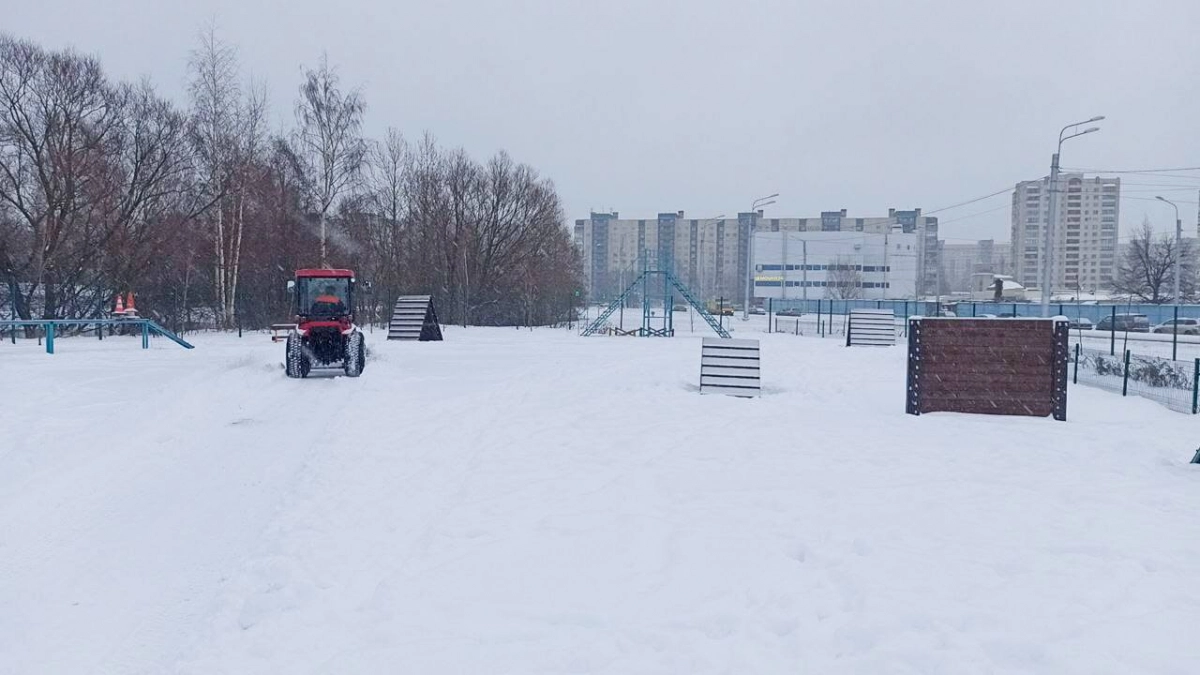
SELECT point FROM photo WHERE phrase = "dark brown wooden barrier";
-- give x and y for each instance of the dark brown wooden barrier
(991, 366)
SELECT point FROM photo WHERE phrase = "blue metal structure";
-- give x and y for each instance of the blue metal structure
(147, 327)
(651, 271)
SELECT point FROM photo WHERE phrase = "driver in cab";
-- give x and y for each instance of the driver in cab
(328, 303)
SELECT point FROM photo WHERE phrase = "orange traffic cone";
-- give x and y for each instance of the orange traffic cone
(120, 308)
(129, 306)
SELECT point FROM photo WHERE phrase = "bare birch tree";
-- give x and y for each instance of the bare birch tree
(329, 140)
(843, 279)
(215, 97)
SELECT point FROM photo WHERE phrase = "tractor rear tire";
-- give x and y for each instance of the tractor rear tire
(297, 363)
(356, 354)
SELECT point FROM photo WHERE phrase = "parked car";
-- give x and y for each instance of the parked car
(679, 308)
(788, 312)
(1082, 323)
(986, 316)
(1132, 323)
(1181, 326)
(1008, 315)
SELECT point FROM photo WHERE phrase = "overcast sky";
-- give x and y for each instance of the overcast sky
(645, 106)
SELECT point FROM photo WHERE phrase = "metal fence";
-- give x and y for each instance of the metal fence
(1175, 384)
(1156, 314)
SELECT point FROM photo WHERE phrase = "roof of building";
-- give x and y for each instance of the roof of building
(323, 273)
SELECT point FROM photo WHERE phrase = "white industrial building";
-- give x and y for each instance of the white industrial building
(836, 265)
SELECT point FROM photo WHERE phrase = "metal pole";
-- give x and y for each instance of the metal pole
(1175, 329)
(1078, 346)
(749, 266)
(1125, 383)
(1178, 246)
(804, 275)
(1196, 388)
(1052, 216)
(1112, 340)
(1178, 254)
(760, 202)
(12, 285)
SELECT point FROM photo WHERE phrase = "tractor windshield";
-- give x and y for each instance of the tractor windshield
(328, 296)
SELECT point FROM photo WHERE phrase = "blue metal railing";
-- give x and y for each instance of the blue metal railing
(1156, 314)
(148, 327)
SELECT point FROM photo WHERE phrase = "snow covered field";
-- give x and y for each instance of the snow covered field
(534, 502)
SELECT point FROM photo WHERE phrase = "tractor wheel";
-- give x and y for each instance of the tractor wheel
(356, 354)
(297, 363)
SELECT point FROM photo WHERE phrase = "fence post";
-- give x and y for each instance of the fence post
(1078, 345)
(1125, 380)
(1196, 388)
(1060, 311)
(769, 312)
(49, 337)
(1112, 327)
(1175, 335)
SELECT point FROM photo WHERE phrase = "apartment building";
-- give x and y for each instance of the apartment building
(960, 262)
(1084, 250)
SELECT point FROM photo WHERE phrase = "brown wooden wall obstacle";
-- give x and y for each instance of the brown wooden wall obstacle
(990, 366)
(730, 367)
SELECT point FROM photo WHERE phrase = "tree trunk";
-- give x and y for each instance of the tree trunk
(220, 263)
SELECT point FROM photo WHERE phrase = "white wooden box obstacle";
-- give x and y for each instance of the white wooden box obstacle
(871, 327)
(730, 367)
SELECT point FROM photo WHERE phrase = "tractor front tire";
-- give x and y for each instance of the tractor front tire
(297, 363)
(356, 354)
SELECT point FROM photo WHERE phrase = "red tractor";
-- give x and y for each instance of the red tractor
(325, 333)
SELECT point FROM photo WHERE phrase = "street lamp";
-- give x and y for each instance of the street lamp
(1178, 245)
(1048, 253)
(701, 262)
(754, 207)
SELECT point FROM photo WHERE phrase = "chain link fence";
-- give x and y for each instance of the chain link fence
(1174, 384)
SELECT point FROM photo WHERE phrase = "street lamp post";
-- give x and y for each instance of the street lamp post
(701, 258)
(1052, 216)
(758, 203)
(1178, 247)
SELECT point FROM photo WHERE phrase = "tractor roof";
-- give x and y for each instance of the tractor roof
(323, 274)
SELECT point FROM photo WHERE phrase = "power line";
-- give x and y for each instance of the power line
(1178, 168)
(972, 215)
(969, 201)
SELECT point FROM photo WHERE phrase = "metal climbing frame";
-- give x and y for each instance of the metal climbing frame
(147, 327)
(651, 272)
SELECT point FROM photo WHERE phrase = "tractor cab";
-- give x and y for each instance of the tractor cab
(324, 295)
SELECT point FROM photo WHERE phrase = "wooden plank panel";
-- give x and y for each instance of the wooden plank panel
(730, 391)
(730, 372)
(728, 342)
(729, 363)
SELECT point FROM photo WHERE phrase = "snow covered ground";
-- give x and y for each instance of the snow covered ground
(514, 501)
